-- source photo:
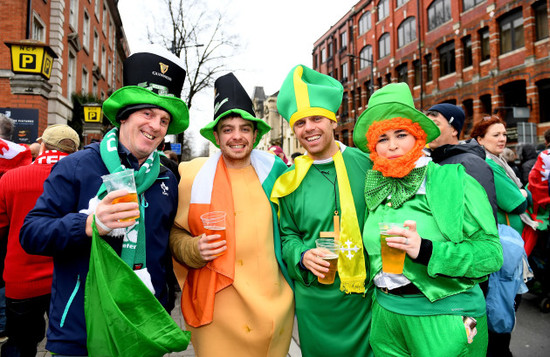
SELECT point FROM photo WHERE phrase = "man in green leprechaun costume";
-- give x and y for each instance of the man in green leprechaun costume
(447, 231)
(322, 196)
(110, 291)
(236, 300)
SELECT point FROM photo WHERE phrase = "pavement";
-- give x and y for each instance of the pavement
(529, 338)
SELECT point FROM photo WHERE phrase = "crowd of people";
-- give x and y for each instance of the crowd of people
(104, 272)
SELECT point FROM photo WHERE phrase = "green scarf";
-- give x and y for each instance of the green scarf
(133, 247)
(378, 187)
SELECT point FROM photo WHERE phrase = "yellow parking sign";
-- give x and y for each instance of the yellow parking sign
(92, 113)
(30, 56)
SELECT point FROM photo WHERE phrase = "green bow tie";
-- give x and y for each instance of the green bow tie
(378, 187)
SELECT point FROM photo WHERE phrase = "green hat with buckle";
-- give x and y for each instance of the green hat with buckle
(230, 97)
(306, 93)
(394, 100)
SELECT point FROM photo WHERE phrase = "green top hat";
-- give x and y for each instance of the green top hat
(230, 97)
(391, 101)
(306, 93)
(151, 79)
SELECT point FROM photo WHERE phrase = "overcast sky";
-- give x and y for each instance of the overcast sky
(275, 36)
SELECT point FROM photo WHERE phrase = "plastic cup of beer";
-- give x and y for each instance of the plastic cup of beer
(393, 259)
(214, 223)
(331, 249)
(122, 180)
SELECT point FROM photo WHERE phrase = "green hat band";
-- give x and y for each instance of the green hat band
(306, 92)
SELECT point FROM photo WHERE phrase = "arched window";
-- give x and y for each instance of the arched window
(439, 12)
(384, 45)
(406, 32)
(366, 57)
(365, 23)
(383, 9)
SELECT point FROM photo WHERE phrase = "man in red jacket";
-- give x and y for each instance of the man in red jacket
(28, 277)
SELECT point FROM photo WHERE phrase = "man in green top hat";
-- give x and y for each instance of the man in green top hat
(235, 300)
(143, 111)
(321, 195)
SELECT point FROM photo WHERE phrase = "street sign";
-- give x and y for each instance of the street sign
(176, 147)
(32, 57)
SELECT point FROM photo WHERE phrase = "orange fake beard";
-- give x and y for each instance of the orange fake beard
(401, 166)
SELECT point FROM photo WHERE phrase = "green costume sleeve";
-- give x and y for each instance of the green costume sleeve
(509, 197)
(293, 245)
(479, 253)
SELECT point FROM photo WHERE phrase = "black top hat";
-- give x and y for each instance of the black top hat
(230, 97)
(152, 79)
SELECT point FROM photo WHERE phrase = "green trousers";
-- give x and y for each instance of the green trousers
(424, 336)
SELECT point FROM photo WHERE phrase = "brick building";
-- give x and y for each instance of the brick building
(488, 56)
(88, 39)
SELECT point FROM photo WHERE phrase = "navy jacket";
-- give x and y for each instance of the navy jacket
(56, 227)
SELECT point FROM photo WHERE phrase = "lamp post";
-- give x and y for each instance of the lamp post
(371, 62)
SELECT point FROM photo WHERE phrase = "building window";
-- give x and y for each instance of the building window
(417, 72)
(109, 72)
(86, 30)
(400, 2)
(467, 50)
(38, 29)
(344, 107)
(323, 55)
(330, 50)
(344, 72)
(105, 17)
(484, 40)
(111, 35)
(468, 4)
(71, 74)
(486, 104)
(103, 61)
(402, 75)
(511, 32)
(96, 48)
(384, 45)
(383, 9)
(439, 12)
(447, 58)
(94, 88)
(541, 19)
(97, 8)
(343, 40)
(73, 14)
(406, 31)
(85, 82)
(315, 58)
(429, 69)
(365, 54)
(365, 23)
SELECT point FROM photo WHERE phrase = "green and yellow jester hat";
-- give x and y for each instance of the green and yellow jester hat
(230, 97)
(306, 93)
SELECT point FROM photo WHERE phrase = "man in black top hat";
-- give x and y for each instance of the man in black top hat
(447, 149)
(235, 293)
(143, 111)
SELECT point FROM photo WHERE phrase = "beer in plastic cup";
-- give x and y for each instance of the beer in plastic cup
(331, 248)
(122, 180)
(214, 223)
(392, 258)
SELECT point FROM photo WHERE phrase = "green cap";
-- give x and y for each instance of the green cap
(391, 101)
(306, 93)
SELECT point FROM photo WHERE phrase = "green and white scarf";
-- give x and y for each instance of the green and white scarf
(133, 247)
